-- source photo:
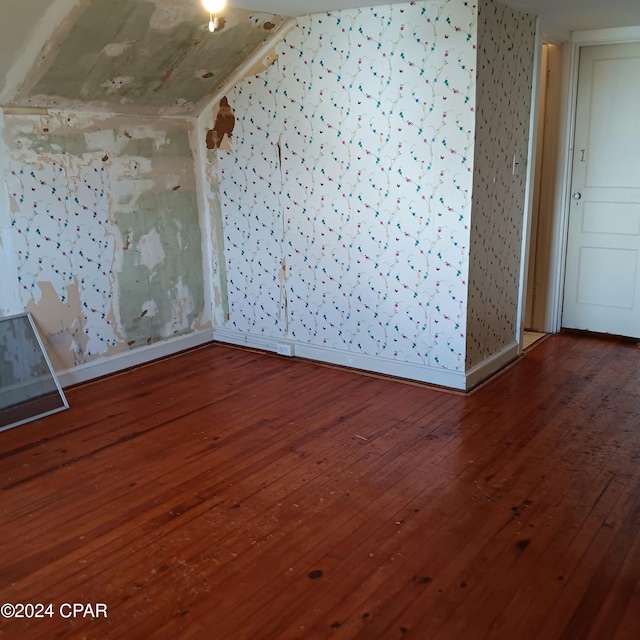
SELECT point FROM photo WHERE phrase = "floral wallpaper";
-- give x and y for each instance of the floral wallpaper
(506, 42)
(346, 192)
(104, 223)
(359, 198)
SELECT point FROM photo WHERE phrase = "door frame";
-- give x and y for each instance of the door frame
(558, 256)
(525, 254)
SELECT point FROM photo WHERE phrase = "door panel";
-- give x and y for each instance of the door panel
(602, 283)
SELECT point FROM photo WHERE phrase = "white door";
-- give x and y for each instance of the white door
(602, 280)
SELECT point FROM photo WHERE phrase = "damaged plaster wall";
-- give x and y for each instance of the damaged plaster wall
(346, 192)
(215, 128)
(104, 223)
(10, 303)
(147, 56)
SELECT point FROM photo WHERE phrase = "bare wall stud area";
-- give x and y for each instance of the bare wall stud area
(28, 386)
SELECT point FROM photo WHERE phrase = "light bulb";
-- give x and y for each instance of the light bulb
(214, 6)
(212, 26)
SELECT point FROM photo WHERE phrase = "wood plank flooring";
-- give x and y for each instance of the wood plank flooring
(228, 494)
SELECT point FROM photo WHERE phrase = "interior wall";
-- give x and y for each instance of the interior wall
(346, 186)
(506, 47)
(9, 295)
(547, 185)
(104, 226)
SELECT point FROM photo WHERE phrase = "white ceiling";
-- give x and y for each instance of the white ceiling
(568, 15)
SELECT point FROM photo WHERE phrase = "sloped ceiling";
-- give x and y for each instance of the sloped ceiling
(150, 56)
(18, 20)
(157, 56)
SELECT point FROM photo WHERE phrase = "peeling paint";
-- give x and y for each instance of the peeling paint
(76, 136)
(145, 55)
(163, 267)
(282, 285)
(63, 324)
(150, 250)
(115, 49)
(109, 241)
(149, 308)
(75, 145)
(175, 145)
(257, 66)
(113, 85)
(169, 14)
(220, 295)
(222, 23)
(223, 126)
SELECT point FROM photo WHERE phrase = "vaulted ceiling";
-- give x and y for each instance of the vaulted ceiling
(157, 56)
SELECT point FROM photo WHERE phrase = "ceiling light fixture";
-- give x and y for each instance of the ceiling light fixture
(214, 7)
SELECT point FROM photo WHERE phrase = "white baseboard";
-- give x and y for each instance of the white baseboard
(133, 358)
(481, 371)
(264, 343)
(374, 364)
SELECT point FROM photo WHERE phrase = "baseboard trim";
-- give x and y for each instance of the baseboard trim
(374, 364)
(420, 373)
(133, 358)
(481, 371)
(264, 343)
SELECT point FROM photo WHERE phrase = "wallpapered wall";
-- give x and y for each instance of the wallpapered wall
(103, 226)
(506, 43)
(346, 196)
(339, 207)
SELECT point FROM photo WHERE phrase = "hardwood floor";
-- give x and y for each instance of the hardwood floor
(229, 494)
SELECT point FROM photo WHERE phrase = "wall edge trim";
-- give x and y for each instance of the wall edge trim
(616, 35)
(142, 355)
(329, 355)
(481, 371)
(241, 73)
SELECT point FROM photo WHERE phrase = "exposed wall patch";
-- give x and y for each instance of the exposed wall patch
(143, 57)
(97, 227)
(151, 250)
(165, 269)
(63, 323)
(116, 49)
(113, 85)
(223, 126)
(149, 308)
